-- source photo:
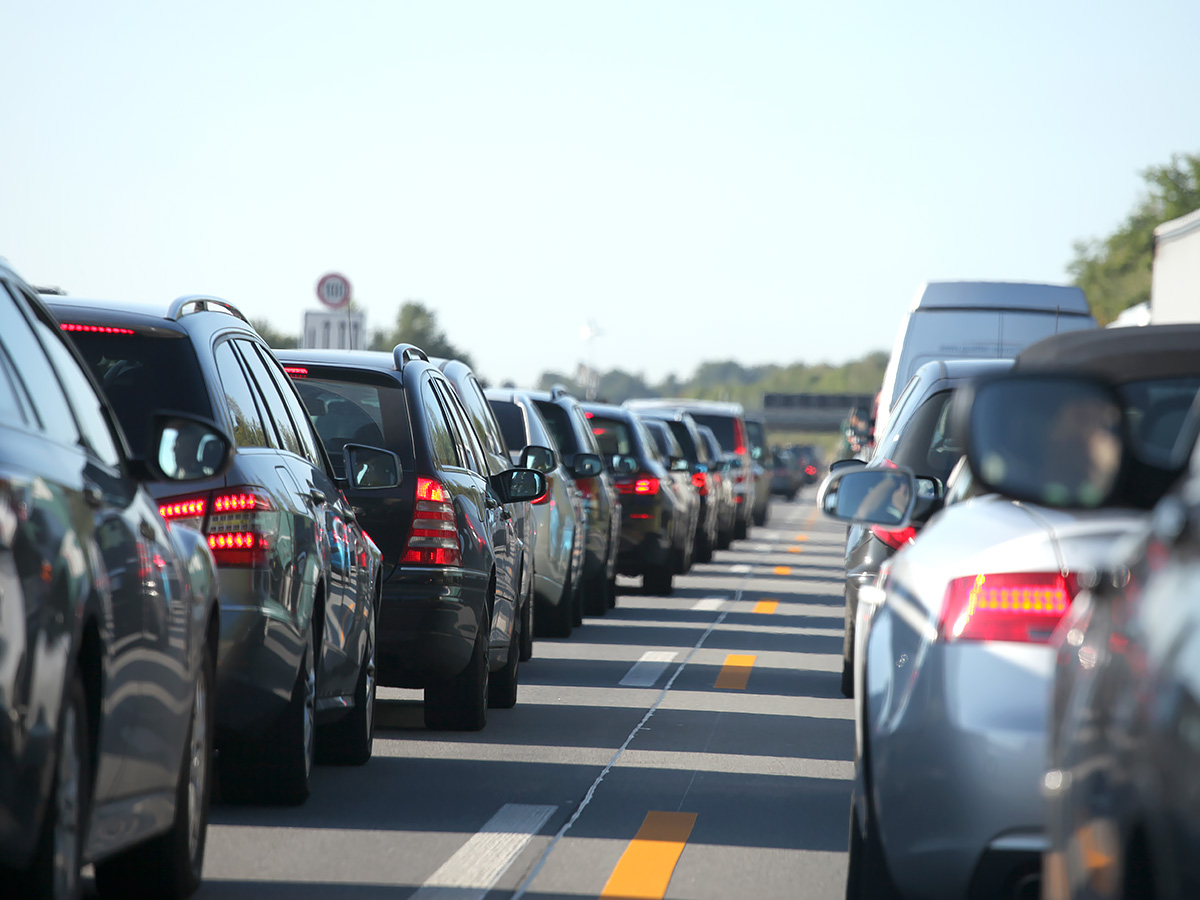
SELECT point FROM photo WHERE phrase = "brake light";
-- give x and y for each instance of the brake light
(896, 538)
(700, 482)
(95, 329)
(1008, 606)
(810, 470)
(739, 437)
(434, 538)
(644, 485)
(296, 371)
(185, 510)
(241, 527)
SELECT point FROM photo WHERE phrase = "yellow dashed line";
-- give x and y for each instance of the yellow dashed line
(645, 868)
(766, 606)
(802, 537)
(795, 549)
(783, 570)
(735, 673)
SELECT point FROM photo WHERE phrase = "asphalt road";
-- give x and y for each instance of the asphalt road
(693, 746)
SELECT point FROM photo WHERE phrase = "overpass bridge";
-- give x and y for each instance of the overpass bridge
(812, 412)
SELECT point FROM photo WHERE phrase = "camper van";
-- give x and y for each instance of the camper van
(976, 320)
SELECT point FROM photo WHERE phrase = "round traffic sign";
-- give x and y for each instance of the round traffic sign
(334, 290)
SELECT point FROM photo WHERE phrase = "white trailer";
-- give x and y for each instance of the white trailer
(1175, 278)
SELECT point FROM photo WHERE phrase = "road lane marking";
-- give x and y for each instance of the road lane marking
(802, 537)
(766, 606)
(708, 604)
(795, 549)
(649, 668)
(474, 870)
(591, 791)
(783, 570)
(736, 672)
(645, 868)
(740, 569)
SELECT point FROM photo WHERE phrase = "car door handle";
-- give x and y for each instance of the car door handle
(318, 496)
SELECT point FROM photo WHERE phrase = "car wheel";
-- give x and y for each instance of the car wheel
(760, 516)
(867, 876)
(577, 605)
(659, 581)
(351, 739)
(704, 547)
(741, 530)
(170, 865)
(460, 703)
(54, 874)
(724, 539)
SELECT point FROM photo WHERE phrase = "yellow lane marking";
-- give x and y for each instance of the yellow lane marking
(802, 537)
(766, 606)
(645, 868)
(783, 570)
(795, 549)
(736, 672)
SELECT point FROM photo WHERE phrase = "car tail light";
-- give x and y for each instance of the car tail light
(644, 485)
(296, 371)
(810, 470)
(894, 538)
(739, 437)
(1008, 606)
(434, 538)
(700, 482)
(241, 527)
(185, 510)
(95, 329)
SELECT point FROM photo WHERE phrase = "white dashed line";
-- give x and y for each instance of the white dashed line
(709, 604)
(647, 670)
(740, 569)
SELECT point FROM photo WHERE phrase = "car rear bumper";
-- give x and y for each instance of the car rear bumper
(645, 545)
(428, 623)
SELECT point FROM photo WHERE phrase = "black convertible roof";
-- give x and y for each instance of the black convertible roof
(1119, 354)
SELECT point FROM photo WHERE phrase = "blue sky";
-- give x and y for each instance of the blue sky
(767, 182)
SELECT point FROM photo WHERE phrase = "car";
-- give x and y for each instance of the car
(788, 477)
(919, 438)
(561, 521)
(449, 612)
(701, 461)
(108, 629)
(670, 454)
(720, 486)
(728, 422)
(572, 435)
(810, 461)
(764, 465)
(299, 579)
(658, 524)
(955, 647)
(516, 560)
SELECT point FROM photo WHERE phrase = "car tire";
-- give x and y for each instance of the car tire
(55, 871)
(351, 739)
(169, 866)
(577, 605)
(741, 530)
(867, 876)
(724, 539)
(557, 620)
(760, 516)
(704, 547)
(460, 703)
(792, 496)
(659, 581)
(610, 591)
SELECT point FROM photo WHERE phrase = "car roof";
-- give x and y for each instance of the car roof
(184, 315)
(710, 407)
(1119, 354)
(350, 359)
(957, 369)
(607, 409)
(1016, 295)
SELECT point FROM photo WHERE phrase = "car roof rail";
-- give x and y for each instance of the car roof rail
(192, 303)
(49, 290)
(559, 391)
(405, 353)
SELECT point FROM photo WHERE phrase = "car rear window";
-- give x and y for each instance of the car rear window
(680, 430)
(512, 423)
(923, 443)
(142, 373)
(722, 427)
(615, 436)
(357, 411)
(1155, 411)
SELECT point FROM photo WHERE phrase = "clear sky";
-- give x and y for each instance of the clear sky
(762, 181)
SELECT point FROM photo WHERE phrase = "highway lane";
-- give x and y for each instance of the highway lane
(693, 746)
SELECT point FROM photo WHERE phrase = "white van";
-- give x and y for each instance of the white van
(977, 320)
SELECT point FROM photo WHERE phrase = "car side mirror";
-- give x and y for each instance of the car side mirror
(519, 485)
(680, 464)
(624, 465)
(586, 465)
(371, 467)
(848, 463)
(183, 447)
(542, 459)
(870, 496)
(1047, 438)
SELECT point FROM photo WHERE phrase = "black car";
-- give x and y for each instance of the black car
(108, 630)
(602, 505)
(299, 579)
(450, 605)
(670, 454)
(918, 437)
(657, 523)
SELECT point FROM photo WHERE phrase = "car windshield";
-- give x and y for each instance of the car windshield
(141, 374)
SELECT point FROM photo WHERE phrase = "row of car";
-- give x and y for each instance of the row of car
(1020, 624)
(211, 554)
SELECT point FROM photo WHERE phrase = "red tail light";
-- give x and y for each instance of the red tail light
(434, 537)
(643, 484)
(296, 371)
(810, 470)
(700, 481)
(241, 527)
(95, 329)
(185, 510)
(894, 539)
(1009, 606)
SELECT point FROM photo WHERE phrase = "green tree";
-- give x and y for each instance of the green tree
(417, 324)
(276, 340)
(1114, 271)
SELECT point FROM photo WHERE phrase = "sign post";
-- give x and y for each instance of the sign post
(333, 290)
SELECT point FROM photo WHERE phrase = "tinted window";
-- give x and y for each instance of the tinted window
(584, 437)
(923, 443)
(89, 415)
(1155, 412)
(277, 412)
(722, 427)
(469, 448)
(484, 420)
(615, 436)
(346, 413)
(897, 420)
(686, 444)
(11, 408)
(122, 363)
(438, 427)
(49, 401)
(248, 429)
(558, 420)
(658, 434)
(512, 423)
(300, 418)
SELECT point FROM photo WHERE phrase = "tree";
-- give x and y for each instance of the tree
(417, 324)
(1115, 272)
(276, 340)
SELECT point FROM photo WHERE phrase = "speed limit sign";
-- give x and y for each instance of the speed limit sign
(334, 290)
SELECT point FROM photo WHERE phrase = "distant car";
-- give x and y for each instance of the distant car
(602, 504)
(108, 629)
(670, 454)
(811, 464)
(764, 465)
(788, 475)
(299, 579)
(954, 656)
(449, 613)
(658, 525)
(720, 486)
(561, 520)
